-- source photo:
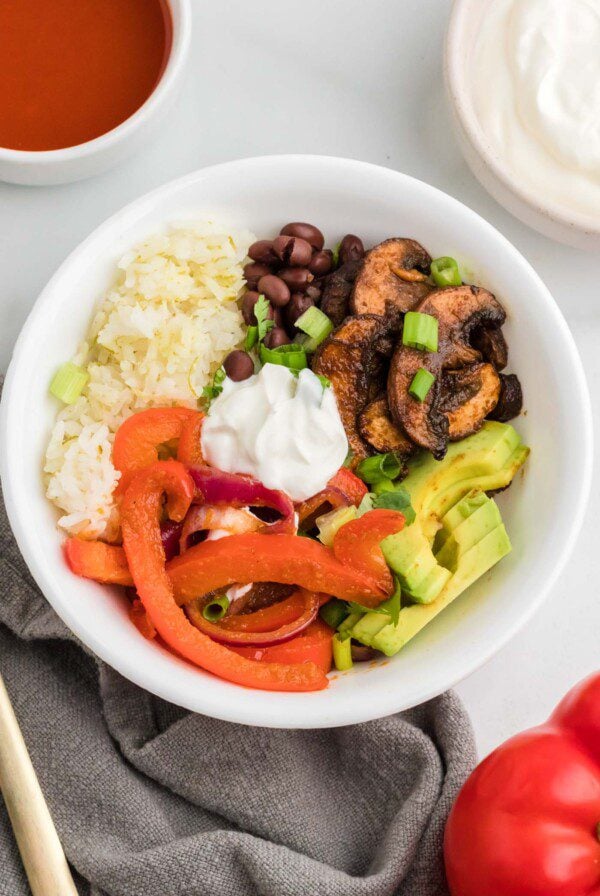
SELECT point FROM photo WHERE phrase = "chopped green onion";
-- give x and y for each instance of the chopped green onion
(422, 382)
(315, 324)
(68, 382)
(329, 523)
(336, 254)
(285, 355)
(342, 652)
(445, 272)
(385, 485)
(380, 466)
(420, 331)
(345, 627)
(216, 609)
(251, 338)
(334, 612)
(325, 382)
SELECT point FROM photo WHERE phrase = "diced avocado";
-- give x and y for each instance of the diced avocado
(486, 460)
(368, 626)
(483, 519)
(474, 563)
(408, 553)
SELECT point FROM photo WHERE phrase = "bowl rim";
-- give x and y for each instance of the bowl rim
(282, 709)
(181, 20)
(460, 97)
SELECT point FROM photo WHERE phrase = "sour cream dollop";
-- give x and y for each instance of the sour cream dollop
(283, 430)
(535, 77)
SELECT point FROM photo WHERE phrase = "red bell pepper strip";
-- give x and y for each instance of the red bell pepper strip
(323, 502)
(526, 822)
(349, 484)
(312, 646)
(288, 559)
(357, 544)
(283, 633)
(189, 449)
(140, 510)
(138, 438)
(97, 560)
(141, 620)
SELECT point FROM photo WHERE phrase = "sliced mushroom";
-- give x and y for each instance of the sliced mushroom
(392, 279)
(379, 430)
(459, 311)
(346, 359)
(337, 290)
(510, 403)
(492, 345)
(468, 396)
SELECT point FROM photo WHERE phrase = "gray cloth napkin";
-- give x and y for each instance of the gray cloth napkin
(151, 800)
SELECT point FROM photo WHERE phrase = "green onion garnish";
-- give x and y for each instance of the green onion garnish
(68, 382)
(342, 652)
(291, 356)
(422, 382)
(251, 338)
(445, 272)
(380, 466)
(385, 485)
(420, 331)
(334, 612)
(216, 609)
(315, 324)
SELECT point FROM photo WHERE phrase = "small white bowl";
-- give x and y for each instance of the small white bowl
(543, 509)
(488, 167)
(60, 166)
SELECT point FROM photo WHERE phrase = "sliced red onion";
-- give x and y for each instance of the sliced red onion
(329, 499)
(215, 487)
(211, 518)
(257, 639)
(170, 533)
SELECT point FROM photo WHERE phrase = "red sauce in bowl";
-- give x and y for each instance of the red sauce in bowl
(74, 69)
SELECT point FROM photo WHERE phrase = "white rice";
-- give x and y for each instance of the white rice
(157, 338)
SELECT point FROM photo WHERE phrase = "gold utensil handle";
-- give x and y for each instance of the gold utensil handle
(43, 857)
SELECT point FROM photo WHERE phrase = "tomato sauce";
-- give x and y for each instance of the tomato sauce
(71, 70)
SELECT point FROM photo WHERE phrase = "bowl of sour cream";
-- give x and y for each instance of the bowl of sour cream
(523, 77)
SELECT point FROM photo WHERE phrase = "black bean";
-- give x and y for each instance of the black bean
(296, 278)
(275, 337)
(254, 271)
(307, 232)
(351, 249)
(249, 300)
(238, 366)
(296, 307)
(321, 263)
(274, 288)
(262, 251)
(292, 250)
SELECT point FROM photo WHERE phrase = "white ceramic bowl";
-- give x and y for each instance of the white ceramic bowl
(488, 167)
(543, 509)
(60, 166)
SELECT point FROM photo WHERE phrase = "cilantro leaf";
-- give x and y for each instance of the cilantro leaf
(391, 607)
(399, 499)
(261, 312)
(210, 392)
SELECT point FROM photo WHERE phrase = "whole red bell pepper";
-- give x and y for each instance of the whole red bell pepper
(526, 823)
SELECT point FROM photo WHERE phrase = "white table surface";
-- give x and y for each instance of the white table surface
(356, 79)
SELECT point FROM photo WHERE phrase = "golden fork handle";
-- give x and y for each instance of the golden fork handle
(43, 857)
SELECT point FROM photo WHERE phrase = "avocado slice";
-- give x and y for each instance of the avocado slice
(474, 563)
(458, 514)
(408, 553)
(488, 460)
(483, 519)
(366, 629)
